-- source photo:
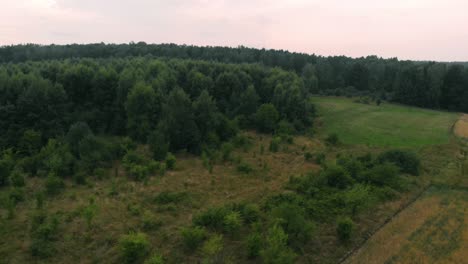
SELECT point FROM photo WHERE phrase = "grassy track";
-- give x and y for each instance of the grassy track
(387, 125)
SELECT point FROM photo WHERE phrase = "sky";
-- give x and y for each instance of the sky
(407, 29)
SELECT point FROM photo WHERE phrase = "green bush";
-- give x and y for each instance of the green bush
(293, 221)
(54, 185)
(212, 248)
(170, 197)
(212, 217)
(192, 237)
(254, 244)
(134, 247)
(250, 212)
(16, 195)
(17, 178)
(336, 176)
(244, 167)
(320, 158)
(232, 222)
(276, 250)
(407, 161)
(385, 174)
(308, 156)
(332, 139)
(275, 144)
(226, 151)
(155, 259)
(149, 221)
(44, 231)
(345, 228)
(170, 161)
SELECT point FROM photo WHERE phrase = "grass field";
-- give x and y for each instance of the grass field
(387, 125)
(432, 230)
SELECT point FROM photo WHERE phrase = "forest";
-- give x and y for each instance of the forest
(132, 117)
(434, 85)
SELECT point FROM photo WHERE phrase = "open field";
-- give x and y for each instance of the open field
(387, 125)
(432, 230)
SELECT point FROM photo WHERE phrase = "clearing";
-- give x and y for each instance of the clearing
(387, 125)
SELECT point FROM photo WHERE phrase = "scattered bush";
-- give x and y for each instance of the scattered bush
(134, 247)
(155, 259)
(226, 151)
(158, 144)
(276, 249)
(254, 244)
(17, 178)
(16, 195)
(244, 167)
(232, 222)
(192, 237)
(170, 161)
(337, 176)
(407, 161)
(345, 228)
(308, 156)
(54, 185)
(332, 139)
(44, 231)
(212, 248)
(170, 197)
(385, 174)
(274, 144)
(212, 218)
(250, 212)
(292, 220)
(320, 158)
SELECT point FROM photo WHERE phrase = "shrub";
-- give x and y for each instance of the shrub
(276, 249)
(385, 174)
(250, 213)
(337, 176)
(134, 247)
(274, 144)
(232, 222)
(226, 151)
(266, 118)
(244, 167)
(407, 161)
(16, 195)
(44, 231)
(170, 197)
(332, 139)
(149, 221)
(292, 219)
(170, 161)
(17, 178)
(212, 248)
(192, 237)
(54, 185)
(212, 217)
(155, 259)
(320, 158)
(285, 128)
(308, 156)
(345, 228)
(4, 172)
(254, 244)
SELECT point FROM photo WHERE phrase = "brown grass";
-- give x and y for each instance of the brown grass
(461, 126)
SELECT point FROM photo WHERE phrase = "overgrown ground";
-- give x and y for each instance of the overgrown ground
(120, 205)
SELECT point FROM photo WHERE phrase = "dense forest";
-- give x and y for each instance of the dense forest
(423, 84)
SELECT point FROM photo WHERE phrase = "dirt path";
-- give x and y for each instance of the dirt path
(461, 126)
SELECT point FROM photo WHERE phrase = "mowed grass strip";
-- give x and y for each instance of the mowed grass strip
(387, 125)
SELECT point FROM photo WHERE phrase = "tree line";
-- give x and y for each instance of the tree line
(424, 84)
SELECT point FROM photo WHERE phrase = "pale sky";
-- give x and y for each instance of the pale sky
(407, 29)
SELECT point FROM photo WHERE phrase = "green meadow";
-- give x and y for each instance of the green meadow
(387, 125)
